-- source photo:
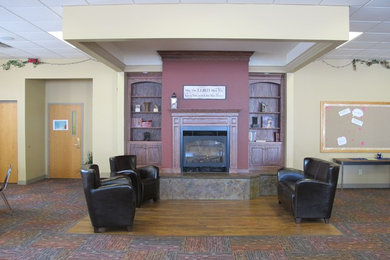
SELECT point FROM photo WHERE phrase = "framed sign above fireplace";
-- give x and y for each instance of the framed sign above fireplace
(204, 92)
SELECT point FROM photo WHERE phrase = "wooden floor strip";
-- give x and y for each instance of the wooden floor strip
(261, 216)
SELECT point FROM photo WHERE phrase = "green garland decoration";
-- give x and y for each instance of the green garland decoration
(19, 63)
(36, 61)
(384, 63)
(16, 63)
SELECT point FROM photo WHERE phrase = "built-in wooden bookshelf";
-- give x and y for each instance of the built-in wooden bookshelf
(143, 114)
(266, 119)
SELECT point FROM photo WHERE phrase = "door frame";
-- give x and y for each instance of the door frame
(48, 132)
(15, 168)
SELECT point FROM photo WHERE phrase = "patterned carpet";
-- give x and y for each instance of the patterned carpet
(44, 211)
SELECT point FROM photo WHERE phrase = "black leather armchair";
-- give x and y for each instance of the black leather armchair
(309, 193)
(109, 204)
(146, 179)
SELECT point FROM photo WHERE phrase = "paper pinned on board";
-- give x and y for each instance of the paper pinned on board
(357, 112)
(342, 140)
(344, 112)
(357, 122)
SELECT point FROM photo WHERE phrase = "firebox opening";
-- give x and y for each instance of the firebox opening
(205, 149)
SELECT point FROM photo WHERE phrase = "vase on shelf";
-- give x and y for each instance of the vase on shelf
(146, 106)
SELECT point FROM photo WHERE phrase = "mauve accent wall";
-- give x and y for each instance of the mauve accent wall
(230, 73)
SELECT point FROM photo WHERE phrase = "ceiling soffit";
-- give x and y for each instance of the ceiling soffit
(281, 36)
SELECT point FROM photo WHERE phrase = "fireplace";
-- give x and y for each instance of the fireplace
(205, 149)
(202, 119)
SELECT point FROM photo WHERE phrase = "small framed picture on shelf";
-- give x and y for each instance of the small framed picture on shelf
(262, 107)
(136, 122)
(267, 122)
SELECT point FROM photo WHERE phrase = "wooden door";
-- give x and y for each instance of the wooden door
(65, 140)
(8, 140)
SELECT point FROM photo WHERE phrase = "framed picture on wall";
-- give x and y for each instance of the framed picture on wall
(60, 125)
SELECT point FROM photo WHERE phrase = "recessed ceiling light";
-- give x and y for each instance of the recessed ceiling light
(59, 36)
(352, 35)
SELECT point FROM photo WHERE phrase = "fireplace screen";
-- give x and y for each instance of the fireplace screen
(204, 151)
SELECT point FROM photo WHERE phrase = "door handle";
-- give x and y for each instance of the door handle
(78, 143)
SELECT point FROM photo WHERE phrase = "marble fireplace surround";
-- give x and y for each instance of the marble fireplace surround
(204, 117)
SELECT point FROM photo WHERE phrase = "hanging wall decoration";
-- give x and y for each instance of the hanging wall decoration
(19, 63)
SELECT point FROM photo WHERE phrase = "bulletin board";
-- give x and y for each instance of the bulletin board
(355, 126)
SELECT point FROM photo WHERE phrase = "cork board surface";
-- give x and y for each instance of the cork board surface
(355, 126)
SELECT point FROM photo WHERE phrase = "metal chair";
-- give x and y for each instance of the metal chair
(5, 183)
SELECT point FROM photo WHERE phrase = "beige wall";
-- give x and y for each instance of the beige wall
(35, 131)
(321, 82)
(107, 104)
(305, 89)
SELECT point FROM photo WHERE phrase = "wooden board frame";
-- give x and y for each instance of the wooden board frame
(361, 126)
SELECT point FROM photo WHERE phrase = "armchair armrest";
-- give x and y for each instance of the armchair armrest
(112, 192)
(107, 198)
(149, 171)
(112, 205)
(290, 174)
(133, 175)
(115, 180)
(313, 198)
(135, 180)
(313, 190)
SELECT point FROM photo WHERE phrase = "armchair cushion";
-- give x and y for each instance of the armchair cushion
(106, 181)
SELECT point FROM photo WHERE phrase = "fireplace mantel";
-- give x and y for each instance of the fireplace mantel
(204, 117)
(204, 111)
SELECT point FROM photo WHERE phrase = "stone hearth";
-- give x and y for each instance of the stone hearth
(217, 186)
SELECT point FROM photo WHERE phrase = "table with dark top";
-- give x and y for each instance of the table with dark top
(358, 161)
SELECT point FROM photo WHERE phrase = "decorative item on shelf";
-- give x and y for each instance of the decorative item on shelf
(174, 101)
(136, 122)
(267, 122)
(147, 123)
(147, 136)
(155, 108)
(262, 107)
(137, 108)
(254, 124)
(146, 106)
(252, 136)
(276, 137)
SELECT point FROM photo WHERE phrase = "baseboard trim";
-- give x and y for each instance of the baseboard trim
(26, 182)
(366, 186)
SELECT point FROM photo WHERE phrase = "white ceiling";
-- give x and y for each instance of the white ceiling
(24, 25)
